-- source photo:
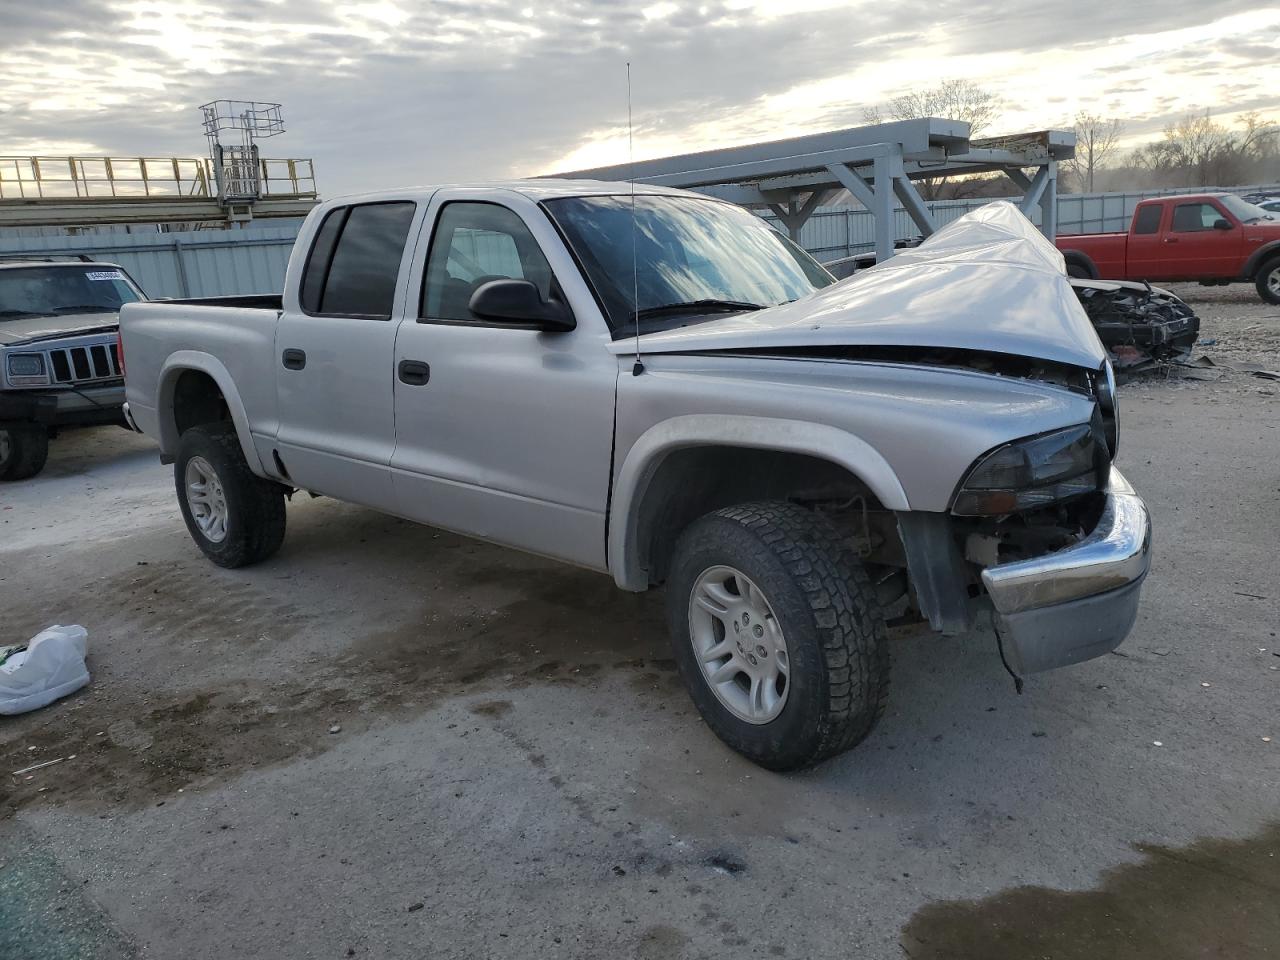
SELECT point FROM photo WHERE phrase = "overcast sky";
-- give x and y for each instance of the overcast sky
(395, 92)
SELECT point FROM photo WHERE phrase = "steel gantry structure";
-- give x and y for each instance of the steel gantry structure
(877, 164)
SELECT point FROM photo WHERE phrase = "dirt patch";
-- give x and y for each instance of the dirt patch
(1216, 898)
(134, 747)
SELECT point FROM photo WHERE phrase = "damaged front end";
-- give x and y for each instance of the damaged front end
(1141, 326)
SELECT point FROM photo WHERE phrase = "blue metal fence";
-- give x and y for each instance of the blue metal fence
(201, 263)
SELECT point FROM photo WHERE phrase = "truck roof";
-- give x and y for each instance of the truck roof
(1188, 196)
(544, 188)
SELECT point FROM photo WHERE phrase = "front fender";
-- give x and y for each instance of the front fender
(793, 436)
(177, 364)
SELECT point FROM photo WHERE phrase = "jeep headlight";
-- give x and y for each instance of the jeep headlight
(1031, 473)
(27, 369)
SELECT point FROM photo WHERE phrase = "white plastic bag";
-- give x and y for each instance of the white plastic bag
(51, 666)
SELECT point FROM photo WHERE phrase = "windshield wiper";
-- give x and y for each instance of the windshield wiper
(698, 306)
(86, 308)
(23, 313)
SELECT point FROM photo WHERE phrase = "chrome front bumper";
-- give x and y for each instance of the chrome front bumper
(1079, 602)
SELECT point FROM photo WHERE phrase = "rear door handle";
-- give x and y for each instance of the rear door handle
(294, 359)
(414, 372)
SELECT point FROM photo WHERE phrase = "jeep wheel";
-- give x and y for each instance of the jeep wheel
(24, 450)
(1268, 281)
(778, 634)
(235, 517)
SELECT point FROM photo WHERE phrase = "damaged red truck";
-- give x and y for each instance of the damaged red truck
(1210, 238)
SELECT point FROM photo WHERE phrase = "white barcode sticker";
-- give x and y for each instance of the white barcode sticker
(104, 275)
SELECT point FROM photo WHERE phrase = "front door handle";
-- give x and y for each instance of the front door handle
(294, 359)
(414, 372)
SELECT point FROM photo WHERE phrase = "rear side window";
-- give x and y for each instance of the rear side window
(355, 260)
(1148, 219)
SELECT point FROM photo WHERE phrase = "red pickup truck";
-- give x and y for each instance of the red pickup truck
(1213, 238)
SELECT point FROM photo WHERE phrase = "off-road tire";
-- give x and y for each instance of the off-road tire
(835, 632)
(255, 507)
(1264, 278)
(27, 451)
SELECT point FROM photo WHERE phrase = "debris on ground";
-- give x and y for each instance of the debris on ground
(47, 667)
(1140, 325)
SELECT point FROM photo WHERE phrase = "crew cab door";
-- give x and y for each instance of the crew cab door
(502, 431)
(334, 346)
(1194, 248)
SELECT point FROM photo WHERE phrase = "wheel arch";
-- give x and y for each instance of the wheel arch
(1083, 260)
(188, 367)
(658, 468)
(1264, 254)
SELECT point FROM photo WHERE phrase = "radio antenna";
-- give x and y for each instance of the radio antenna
(638, 368)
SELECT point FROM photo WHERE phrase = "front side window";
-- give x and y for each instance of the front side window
(49, 291)
(355, 260)
(474, 243)
(666, 259)
(1194, 217)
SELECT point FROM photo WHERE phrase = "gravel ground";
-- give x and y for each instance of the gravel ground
(391, 742)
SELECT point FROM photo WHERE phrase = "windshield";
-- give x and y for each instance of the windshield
(1244, 212)
(47, 291)
(693, 258)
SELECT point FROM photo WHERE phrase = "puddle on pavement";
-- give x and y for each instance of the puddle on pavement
(1215, 898)
(133, 747)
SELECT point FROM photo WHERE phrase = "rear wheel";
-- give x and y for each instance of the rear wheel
(1268, 281)
(24, 450)
(778, 634)
(235, 517)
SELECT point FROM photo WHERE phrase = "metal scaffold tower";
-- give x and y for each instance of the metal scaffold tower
(877, 164)
(234, 185)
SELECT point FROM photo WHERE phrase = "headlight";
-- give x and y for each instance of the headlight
(1109, 402)
(27, 369)
(1031, 473)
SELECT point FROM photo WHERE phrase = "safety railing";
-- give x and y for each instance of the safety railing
(99, 178)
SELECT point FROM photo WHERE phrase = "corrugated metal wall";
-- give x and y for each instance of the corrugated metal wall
(203, 263)
(210, 263)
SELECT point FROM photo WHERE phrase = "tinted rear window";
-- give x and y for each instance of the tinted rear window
(359, 278)
(1148, 219)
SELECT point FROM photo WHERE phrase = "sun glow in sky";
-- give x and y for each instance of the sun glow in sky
(387, 92)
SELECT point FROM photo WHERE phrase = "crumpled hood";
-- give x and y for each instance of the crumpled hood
(13, 332)
(988, 281)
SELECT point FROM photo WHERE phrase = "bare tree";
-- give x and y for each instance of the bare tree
(1096, 141)
(949, 100)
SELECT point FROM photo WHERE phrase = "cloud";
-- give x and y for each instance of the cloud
(386, 92)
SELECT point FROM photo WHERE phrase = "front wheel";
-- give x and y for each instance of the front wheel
(1268, 281)
(24, 450)
(235, 517)
(777, 633)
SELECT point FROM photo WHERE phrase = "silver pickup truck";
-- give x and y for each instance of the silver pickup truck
(661, 388)
(58, 363)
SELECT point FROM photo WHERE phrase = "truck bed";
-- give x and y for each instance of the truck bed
(229, 339)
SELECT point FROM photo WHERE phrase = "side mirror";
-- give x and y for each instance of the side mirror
(519, 302)
(1221, 224)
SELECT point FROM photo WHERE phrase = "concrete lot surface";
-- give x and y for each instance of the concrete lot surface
(392, 742)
